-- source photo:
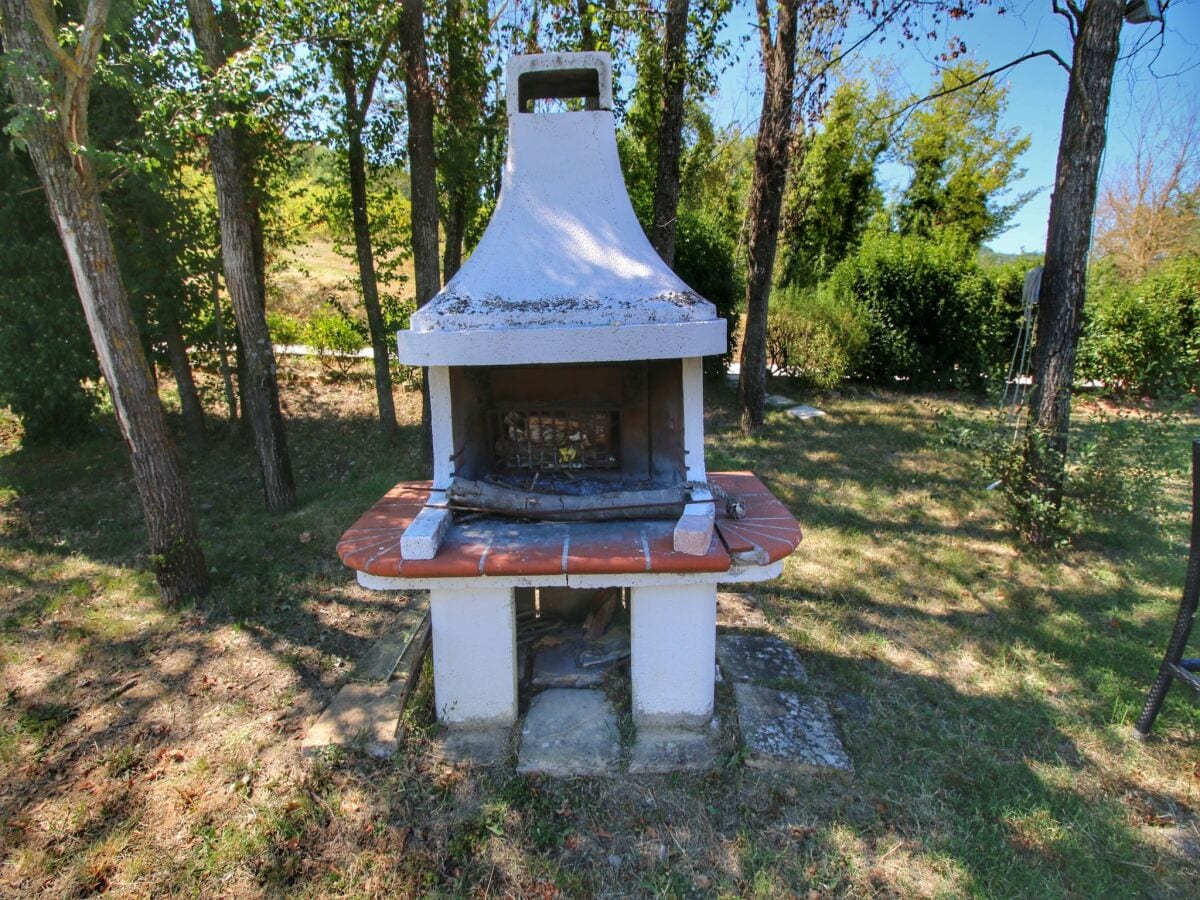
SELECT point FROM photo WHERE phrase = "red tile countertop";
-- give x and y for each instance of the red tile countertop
(497, 546)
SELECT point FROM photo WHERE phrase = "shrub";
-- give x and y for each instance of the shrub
(814, 338)
(934, 317)
(1118, 464)
(284, 329)
(1143, 338)
(337, 339)
(704, 258)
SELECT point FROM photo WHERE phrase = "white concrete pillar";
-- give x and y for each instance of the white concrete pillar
(474, 656)
(674, 648)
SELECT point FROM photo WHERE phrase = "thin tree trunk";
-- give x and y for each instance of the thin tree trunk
(71, 189)
(423, 175)
(260, 390)
(455, 224)
(356, 163)
(223, 350)
(181, 368)
(766, 201)
(670, 132)
(1064, 279)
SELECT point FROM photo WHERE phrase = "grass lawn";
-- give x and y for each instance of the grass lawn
(984, 693)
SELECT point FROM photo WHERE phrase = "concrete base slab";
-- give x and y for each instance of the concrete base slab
(805, 412)
(783, 730)
(361, 716)
(472, 746)
(778, 401)
(750, 658)
(663, 750)
(738, 611)
(569, 732)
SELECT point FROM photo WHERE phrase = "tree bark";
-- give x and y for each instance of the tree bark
(356, 162)
(181, 368)
(457, 107)
(419, 100)
(1064, 278)
(423, 176)
(74, 198)
(231, 402)
(260, 390)
(670, 132)
(455, 223)
(771, 153)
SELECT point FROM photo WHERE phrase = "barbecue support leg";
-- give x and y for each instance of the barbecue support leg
(673, 656)
(474, 656)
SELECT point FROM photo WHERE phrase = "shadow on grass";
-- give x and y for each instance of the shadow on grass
(965, 783)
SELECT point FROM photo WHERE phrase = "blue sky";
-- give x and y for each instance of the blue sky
(1166, 73)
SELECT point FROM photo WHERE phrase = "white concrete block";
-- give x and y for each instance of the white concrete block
(424, 533)
(693, 416)
(440, 420)
(693, 531)
(474, 656)
(674, 652)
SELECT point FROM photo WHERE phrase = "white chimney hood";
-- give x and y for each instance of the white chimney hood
(564, 272)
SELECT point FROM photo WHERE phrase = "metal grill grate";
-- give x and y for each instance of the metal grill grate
(549, 440)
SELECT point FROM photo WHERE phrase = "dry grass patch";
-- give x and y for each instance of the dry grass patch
(985, 693)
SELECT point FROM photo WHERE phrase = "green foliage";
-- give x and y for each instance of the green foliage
(704, 259)
(337, 337)
(285, 329)
(934, 317)
(815, 338)
(961, 159)
(46, 356)
(1144, 338)
(1119, 464)
(833, 190)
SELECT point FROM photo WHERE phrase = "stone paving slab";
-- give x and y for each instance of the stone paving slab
(783, 730)
(362, 715)
(569, 732)
(381, 660)
(366, 714)
(664, 750)
(750, 658)
(778, 401)
(467, 746)
(805, 412)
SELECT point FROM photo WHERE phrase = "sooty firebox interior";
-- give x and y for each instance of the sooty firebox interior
(563, 426)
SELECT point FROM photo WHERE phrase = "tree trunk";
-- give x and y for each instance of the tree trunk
(766, 201)
(419, 99)
(260, 391)
(1064, 279)
(181, 368)
(423, 175)
(356, 162)
(223, 350)
(670, 132)
(70, 184)
(456, 228)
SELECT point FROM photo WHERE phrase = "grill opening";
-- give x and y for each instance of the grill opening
(554, 440)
